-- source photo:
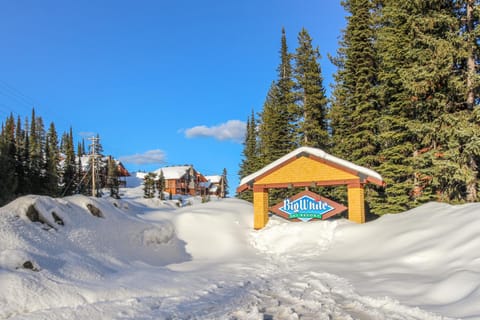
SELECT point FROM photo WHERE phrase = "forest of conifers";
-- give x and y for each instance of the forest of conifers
(35, 161)
(404, 102)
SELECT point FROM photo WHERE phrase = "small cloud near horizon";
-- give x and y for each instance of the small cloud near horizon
(84, 134)
(156, 156)
(233, 130)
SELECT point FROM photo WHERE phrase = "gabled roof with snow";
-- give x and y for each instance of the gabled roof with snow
(319, 154)
(214, 179)
(174, 172)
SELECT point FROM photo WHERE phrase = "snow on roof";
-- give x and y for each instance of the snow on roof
(214, 179)
(174, 172)
(317, 153)
(205, 184)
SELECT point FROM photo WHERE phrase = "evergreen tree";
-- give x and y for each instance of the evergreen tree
(271, 144)
(469, 18)
(52, 163)
(81, 148)
(355, 110)
(224, 184)
(161, 186)
(69, 167)
(21, 158)
(250, 162)
(284, 102)
(355, 106)
(8, 179)
(36, 154)
(311, 94)
(149, 186)
(422, 104)
(25, 185)
(278, 119)
(250, 149)
(112, 178)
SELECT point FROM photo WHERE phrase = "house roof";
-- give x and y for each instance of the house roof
(214, 179)
(319, 154)
(174, 172)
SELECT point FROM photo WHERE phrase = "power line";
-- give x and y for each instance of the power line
(16, 94)
(14, 99)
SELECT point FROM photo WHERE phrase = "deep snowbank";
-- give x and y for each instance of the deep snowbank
(427, 257)
(146, 258)
(72, 257)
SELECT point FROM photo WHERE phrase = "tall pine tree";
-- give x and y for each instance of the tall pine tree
(312, 102)
(355, 107)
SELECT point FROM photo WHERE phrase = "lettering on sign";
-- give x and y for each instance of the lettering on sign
(306, 206)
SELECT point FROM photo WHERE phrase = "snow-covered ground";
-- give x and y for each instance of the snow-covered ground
(150, 259)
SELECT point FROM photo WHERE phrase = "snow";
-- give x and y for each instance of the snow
(317, 153)
(214, 178)
(150, 259)
(174, 172)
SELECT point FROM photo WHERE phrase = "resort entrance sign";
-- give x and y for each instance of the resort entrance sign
(306, 206)
(306, 168)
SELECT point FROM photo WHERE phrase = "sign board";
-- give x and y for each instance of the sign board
(306, 206)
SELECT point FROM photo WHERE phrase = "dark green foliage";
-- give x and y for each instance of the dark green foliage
(404, 103)
(52, 162)
(149, 186)
(69, 181)
(112, 178)
(311, 99)
(35, 161)
(278, 120)
(250, 162)
(161, 186)
(8, 179)
(250, 159)
(224, 184)
(424, 141)
(354, 113)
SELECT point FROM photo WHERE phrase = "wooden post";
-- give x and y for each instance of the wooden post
(260, 207)
(356, 203)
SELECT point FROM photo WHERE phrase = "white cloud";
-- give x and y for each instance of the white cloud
(156, 156)
(87, 134)
(233, 130)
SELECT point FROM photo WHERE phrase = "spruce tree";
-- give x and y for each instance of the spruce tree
(52, 163)
(149, 186)
(8, 179)
(21, 158)
(250, 149)
(36, 154)
(278, 119)
(284, 102)
(224, 184)
(161, 186)
(112, 178)
(312, 128)
(271, 129)
(430, 144)
(69, 184)
(355, 106)
(395, 136)
(250, 162)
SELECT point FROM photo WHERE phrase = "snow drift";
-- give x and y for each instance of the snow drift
(132, 258)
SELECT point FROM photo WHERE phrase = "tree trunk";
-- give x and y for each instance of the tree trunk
(471, 67)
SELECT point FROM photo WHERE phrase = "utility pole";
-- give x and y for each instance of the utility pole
(93, 157)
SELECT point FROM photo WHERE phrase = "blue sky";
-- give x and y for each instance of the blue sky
(161, 82)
